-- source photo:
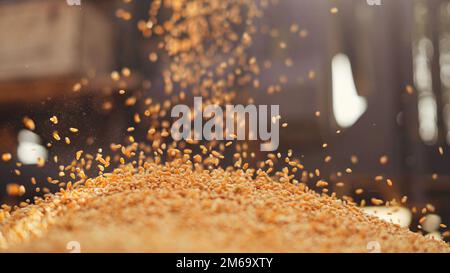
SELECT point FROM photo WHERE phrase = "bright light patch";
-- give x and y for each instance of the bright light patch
(427, 107)
(428, 129)
(29, 149)
(398, 215)
(348, 106)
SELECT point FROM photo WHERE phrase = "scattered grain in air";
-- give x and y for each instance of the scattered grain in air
(441, 150)
(284, 125)
(354, 159)
(303, 33)
(422, 220)
(67, 140)
(321, 184)
(78, 154)
(153, 57)
(56, 136)
(376, 201)
(317, 172)
(76, 87)
(311, 74)
(334, 10)
(379, 178)
(130, 101)
(404, 199)
(15, 189)
(362, 203)
(434, 176)
(317, 113)
(359, 191)
(73, 130)
(325, 145)
(327, 158)
(384, 160)
(137, 118)
(6, 157)
(40, 162)
(123, 14)
(122, 92)
(294, 28)
(29, 123)
(115, 76)
(217, 154)
(409, 89)
(389, 182)
(54, 120)
(126, 72)
(348, 170)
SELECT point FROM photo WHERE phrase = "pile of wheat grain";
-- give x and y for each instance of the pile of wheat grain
(172, 207)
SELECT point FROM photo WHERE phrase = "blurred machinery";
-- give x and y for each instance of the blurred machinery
(57, 59)
(380, 86)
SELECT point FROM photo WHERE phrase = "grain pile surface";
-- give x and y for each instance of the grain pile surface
(171, 207)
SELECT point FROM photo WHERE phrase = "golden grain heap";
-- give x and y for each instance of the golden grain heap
(174, 207)
(158, 195)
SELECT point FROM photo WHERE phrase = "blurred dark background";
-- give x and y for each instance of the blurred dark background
(378, 75)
